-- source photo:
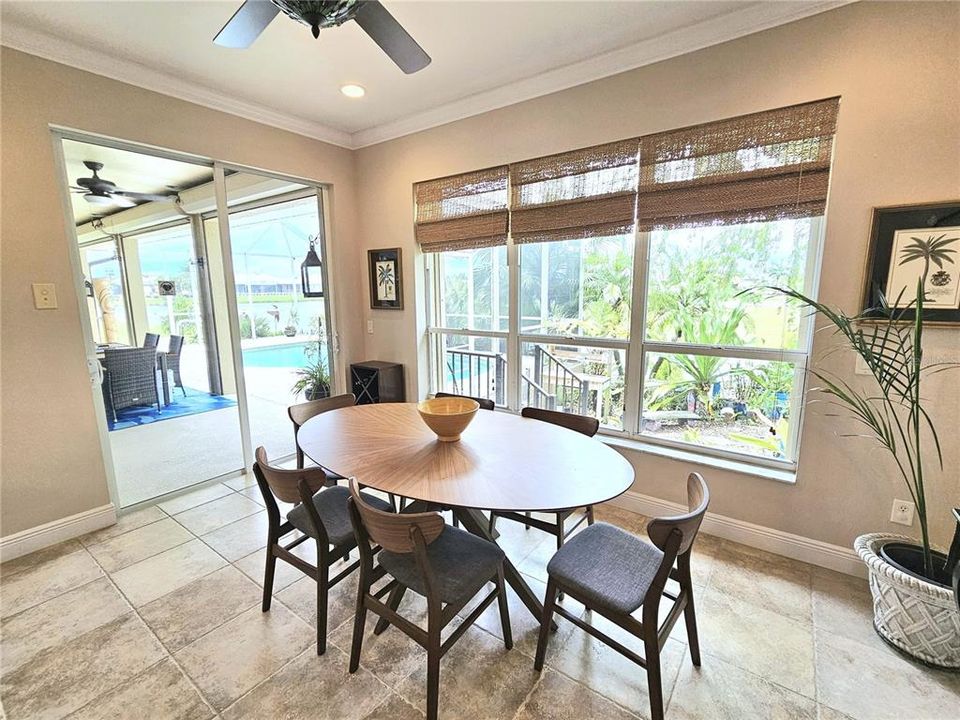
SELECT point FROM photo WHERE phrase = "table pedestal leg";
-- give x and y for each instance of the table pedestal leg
(476, 522)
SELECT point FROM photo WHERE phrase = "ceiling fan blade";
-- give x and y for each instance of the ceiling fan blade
(391, 37)
(247, 23)
(149, 197)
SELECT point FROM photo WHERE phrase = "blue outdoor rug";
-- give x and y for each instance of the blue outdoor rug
(196, 401)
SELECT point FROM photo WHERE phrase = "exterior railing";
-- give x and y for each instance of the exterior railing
(554, 377)
(478, 374)
(554, 386)
(532, 395)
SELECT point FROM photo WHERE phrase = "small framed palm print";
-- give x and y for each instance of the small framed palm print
(386, 284)
(911, 246)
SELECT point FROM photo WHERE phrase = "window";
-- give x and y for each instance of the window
(635, 283)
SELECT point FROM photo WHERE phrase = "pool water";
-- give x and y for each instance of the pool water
(287, 355)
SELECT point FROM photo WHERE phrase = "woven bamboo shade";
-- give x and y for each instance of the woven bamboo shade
(462, 211)
(589, 192)
(765, 166)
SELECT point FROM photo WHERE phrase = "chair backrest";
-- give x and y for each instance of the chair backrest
(151, 340)
(284, 483)
(485, 403)
(580, 423)
(132, 374)
(394, 531)
(698, 498)
(174, 345)
(302, 412)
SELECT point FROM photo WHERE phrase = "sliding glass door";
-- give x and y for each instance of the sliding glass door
(285, 336)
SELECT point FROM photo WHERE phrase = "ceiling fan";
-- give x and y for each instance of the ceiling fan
(100, 191)
(253, 16)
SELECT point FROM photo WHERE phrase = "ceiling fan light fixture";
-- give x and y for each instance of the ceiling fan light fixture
(95, 199)
(353, 91)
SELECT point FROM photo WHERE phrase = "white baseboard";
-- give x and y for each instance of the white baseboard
(797, 547)
(51, 533)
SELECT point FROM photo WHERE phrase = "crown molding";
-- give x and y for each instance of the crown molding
(733, 25)
(65, 52)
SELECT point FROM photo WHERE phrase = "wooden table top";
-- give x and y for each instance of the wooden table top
(502, 461)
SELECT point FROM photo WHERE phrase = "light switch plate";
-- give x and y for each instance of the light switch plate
(45, 296)
(370, 327)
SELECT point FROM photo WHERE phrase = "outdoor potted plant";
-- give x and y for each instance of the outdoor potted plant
(290, 330)
(313, 379)
(915, 607)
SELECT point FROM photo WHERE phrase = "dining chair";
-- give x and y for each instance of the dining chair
(585, 426)
(614, 573)
(485, 403)
(445, 565)
(130, 378)
(151, 340)
(174, 346)
(302, 412)
(320, 513)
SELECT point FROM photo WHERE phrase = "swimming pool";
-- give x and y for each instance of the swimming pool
(286, 355)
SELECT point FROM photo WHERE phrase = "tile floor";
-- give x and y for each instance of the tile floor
(159, 617)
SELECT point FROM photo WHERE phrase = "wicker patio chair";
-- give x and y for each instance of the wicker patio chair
(151, 340)
(131, 378)
(173, 361)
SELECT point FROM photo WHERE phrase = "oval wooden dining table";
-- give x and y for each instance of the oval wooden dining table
(502, 462)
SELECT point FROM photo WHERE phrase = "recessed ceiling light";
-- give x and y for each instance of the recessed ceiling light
(353, 91)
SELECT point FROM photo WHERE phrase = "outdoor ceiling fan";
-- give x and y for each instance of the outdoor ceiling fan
(254, 15)
(100, 191)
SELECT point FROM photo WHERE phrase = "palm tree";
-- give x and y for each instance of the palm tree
(932, 250)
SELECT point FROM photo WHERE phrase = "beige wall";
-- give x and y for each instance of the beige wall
(896, 67)
(51, 462)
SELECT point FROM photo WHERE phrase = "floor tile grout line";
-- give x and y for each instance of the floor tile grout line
(526, 698)
(7, 618)
(150, 630)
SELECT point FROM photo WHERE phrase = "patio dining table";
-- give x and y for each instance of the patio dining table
(502, 462)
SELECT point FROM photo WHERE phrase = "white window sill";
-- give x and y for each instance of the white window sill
(787, 475)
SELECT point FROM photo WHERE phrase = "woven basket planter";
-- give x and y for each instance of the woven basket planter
(913, 615)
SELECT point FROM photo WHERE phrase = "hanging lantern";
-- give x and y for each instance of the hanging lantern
(311, 273)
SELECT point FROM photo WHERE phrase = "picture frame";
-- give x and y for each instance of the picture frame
(905, 242)
(386, 279)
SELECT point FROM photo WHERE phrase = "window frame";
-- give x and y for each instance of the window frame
(637, 348)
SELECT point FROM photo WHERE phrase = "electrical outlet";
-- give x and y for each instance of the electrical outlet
(902, 512)
(370, 327)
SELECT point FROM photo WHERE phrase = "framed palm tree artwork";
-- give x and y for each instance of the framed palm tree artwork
(386, 284)
(911, 245)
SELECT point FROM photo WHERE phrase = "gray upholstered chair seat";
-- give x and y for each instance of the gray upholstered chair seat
(462, 564)
(331, 505)
(607, 566)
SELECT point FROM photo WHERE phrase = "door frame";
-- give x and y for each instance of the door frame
(60, 133)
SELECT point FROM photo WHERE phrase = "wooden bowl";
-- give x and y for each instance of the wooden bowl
(448, 416)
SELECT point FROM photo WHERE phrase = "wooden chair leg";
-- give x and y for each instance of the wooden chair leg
(548, 603)
(433, 672)
(689, 612)
(393, 602)
(268, 572)
(560, 540)
(359, 622)
(300, 459)
(590, 516)
(652, 655)
(504, 610)
(493, 522)
(323, 590)
(526, 526)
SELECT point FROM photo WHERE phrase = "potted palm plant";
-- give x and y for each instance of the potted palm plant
(313, 379)
(915, 608)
